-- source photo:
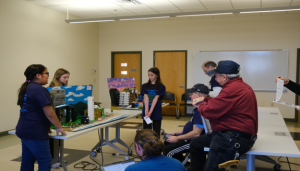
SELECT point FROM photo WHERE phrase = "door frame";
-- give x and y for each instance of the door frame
(297, 81)
(122, 52)
(185, 69)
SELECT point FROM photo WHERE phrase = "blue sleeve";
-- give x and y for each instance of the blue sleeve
(143, 91)
(161, 90)
(129, 168)
(43, 97)
(197, 120)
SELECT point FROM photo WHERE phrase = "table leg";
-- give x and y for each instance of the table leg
(250, 162)
(118, 137)
(107, 142)
(55, 151)
(61, 155)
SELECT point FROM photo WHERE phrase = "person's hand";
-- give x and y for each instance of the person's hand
(175, 133)
(197, 101)
(60, 130)
(148, 114)
(172, 139)
(298, 109)
(286, 81)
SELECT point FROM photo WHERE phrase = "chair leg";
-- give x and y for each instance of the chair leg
(177, 116)
(178, 111)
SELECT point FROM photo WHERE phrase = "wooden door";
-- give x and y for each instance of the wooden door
(129, 62)
(172, 66)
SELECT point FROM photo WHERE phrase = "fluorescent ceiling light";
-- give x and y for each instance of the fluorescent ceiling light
(95, 21)
(283, 10)
(195, 15)
(144, 18)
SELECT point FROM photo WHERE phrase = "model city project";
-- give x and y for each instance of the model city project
(70, 104)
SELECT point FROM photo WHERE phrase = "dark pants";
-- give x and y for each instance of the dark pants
(221, 150)
(156, 126)
(33, 150)
(175, 150)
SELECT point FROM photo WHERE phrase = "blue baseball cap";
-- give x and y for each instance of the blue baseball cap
(201, 88)
(225, 67)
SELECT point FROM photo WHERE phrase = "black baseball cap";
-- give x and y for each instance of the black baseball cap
(225, 67)
(201, 88)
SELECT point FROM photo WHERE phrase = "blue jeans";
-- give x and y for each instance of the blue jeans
(221, 150)
(32, 151)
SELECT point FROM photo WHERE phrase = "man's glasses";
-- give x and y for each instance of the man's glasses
(45, 73)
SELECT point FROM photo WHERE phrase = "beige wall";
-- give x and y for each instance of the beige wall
(30, 34)
(249, 32)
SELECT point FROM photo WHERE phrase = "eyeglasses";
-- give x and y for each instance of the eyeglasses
(45, 73)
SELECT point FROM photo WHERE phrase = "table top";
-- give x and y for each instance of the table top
(270, 122)
(130, 113)
(136, 108)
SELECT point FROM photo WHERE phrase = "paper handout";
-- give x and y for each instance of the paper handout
(279, 91)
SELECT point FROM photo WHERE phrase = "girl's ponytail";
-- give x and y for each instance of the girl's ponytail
(30, 74)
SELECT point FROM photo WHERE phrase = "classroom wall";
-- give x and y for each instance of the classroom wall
(30, 34)
(246, 32)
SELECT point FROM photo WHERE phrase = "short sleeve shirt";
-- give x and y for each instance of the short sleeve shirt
(33, 123)
(161, 91)
(157, 163)
(196, 120)
(213, 83)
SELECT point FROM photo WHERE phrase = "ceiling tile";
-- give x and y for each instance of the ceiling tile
(137, 8)
(145, 12)
(163, 11)
(217, 4)
(275, 3)
(158, 4)
(242, 4)
(296, 2)
(192, 9)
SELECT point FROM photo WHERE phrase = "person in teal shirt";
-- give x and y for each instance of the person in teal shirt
(149, 148)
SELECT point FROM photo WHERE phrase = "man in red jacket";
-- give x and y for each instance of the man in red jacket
(233, 116)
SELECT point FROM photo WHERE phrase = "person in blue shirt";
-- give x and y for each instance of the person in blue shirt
(180, 141)
(153, 91)
(36, 113)
(215, 86)
(148, 147)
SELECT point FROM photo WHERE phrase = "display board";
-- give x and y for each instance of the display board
(258, 68)
(75, 94)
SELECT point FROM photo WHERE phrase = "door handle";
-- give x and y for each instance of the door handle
(181, 85)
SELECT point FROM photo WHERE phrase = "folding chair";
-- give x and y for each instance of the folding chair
(171, 97)
(184, 97)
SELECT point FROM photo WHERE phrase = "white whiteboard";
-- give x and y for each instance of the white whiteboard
(258, 68)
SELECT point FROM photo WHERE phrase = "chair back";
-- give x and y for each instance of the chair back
(169, 96)
(185, 96)
(206, 125)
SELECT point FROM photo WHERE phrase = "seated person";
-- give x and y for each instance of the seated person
(180, 141)
(148, 147)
